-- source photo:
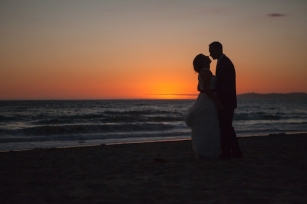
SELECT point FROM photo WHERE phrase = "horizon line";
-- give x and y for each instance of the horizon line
(140, 98)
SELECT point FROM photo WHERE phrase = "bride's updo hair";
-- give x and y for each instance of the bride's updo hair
(201, 61)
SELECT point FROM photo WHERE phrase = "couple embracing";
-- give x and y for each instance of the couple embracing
(211, 116)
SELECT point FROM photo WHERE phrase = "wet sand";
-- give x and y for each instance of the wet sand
(273, 170)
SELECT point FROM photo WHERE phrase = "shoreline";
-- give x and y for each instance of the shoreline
(273, 170)
(98, 142)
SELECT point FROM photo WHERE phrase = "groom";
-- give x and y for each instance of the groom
(226, 91)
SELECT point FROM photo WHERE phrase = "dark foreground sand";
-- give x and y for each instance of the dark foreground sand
(274, 170)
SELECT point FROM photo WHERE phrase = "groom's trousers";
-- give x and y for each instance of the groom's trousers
(229, 142)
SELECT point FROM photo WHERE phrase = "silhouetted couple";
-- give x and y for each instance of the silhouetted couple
(211, 116)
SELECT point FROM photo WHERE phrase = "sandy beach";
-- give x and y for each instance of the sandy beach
(273, 170)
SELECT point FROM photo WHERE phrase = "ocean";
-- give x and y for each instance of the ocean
(64, 123)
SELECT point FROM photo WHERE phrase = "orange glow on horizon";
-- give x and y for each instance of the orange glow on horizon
(144, 49)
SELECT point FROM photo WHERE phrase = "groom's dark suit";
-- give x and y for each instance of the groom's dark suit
(226, 90)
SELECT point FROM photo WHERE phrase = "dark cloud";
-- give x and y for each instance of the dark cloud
(276, 15)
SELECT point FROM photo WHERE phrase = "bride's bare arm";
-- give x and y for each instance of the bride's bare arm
(206, 75)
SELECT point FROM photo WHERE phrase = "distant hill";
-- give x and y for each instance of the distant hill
(273, 96)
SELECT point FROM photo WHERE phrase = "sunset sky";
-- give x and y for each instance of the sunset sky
(128, 49)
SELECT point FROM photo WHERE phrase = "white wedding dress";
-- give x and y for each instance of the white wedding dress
(202, 118)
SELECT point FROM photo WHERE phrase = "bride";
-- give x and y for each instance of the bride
(202, 117)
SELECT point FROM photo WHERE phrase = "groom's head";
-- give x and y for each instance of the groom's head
(216, 50)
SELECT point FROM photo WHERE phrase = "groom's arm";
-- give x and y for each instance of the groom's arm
(225, 79)
(226, 75)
